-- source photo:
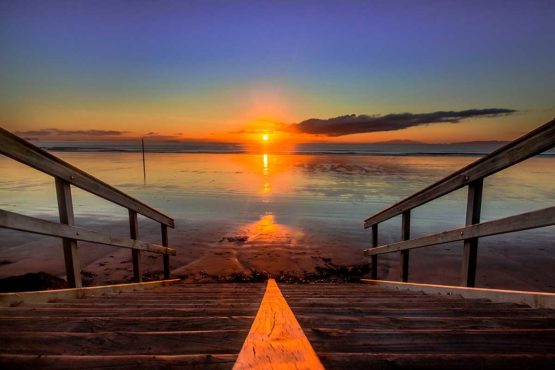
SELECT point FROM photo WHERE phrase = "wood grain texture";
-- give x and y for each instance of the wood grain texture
(71, 255)
(16, 221)
(207, 333)
(276, 341)
(27, 153)
(534, 142)
(364, 330)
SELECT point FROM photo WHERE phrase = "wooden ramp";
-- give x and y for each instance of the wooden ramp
(266, 326)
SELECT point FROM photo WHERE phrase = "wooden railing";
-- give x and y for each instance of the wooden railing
(66, 175)
(531, 144)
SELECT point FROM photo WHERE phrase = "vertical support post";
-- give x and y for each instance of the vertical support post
(71, 256)
(144, 164)
(470, 253)
(166, 257)
(405, 235)
(374, 273)
(136, 254)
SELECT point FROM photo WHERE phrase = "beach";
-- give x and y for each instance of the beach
(293, 216)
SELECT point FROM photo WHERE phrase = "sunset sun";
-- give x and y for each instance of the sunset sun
(265, 137)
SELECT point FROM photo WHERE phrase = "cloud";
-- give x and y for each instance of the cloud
(60, 132)
(353, 124)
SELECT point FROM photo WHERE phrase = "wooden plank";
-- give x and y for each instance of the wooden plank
(534, 142)
(25, 152)
(470, 249)
(440, 361)
(374, 272)
(71, 255)
(205, 361)
(100, 324)
(166, 257)
(135, 254)
(11, 299)
(405, 235)
(532, 299)
(276, 339)
(126, 342)
(523, 221)
(15, 221)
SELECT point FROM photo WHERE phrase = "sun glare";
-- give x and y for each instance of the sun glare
(265, 137)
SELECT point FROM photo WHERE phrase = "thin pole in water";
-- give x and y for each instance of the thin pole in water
(144, 166)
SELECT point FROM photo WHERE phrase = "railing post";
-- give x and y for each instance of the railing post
(165, 256)
(136, 254)
(374, 274)
(470, 254)
(71, 257)
(405, 235)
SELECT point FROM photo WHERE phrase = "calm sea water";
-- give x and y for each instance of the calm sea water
(324, 195)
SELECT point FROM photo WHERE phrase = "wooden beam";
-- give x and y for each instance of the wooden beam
(135, 253)
(470, 250)
(532, 299)
(534, 142)
(374, 273)
(71, 255)
(405, 235)
(44, 296)
(15, 221)
(166, 257)
(523, 221)
(25, 152)
(276, 340)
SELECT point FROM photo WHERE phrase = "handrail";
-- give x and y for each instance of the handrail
(66, 175)
(531, 144)
(16, 221)
(33, 156)
(524, 221)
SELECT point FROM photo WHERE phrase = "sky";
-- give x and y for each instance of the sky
(339, 71)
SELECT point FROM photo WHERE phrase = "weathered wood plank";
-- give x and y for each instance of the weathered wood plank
(208, 361)
(25, 152)
(120, 343)
(439, 341)
(534, 142)
(276, 340)
(100, 324)
(470, 249)
(17, 299)
(135, 254)
(405, 235)
(523, 221)
(374, 257)
(442, 361)
(15, 221)
(71, 255)
(164, 230)
(532, 299)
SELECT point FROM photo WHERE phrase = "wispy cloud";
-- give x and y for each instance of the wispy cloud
(60, 132)
(353, 124)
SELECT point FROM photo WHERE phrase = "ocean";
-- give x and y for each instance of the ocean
(315, 197)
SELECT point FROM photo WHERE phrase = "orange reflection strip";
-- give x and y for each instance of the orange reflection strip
(276, 340)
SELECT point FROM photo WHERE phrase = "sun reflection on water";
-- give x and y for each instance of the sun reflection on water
(265, 161)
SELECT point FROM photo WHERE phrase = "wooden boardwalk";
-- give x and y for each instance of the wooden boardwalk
(354, 326)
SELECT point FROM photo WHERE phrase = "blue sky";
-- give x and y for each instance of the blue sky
(202, 68)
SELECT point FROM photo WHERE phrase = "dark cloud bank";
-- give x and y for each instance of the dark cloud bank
(353, 124)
